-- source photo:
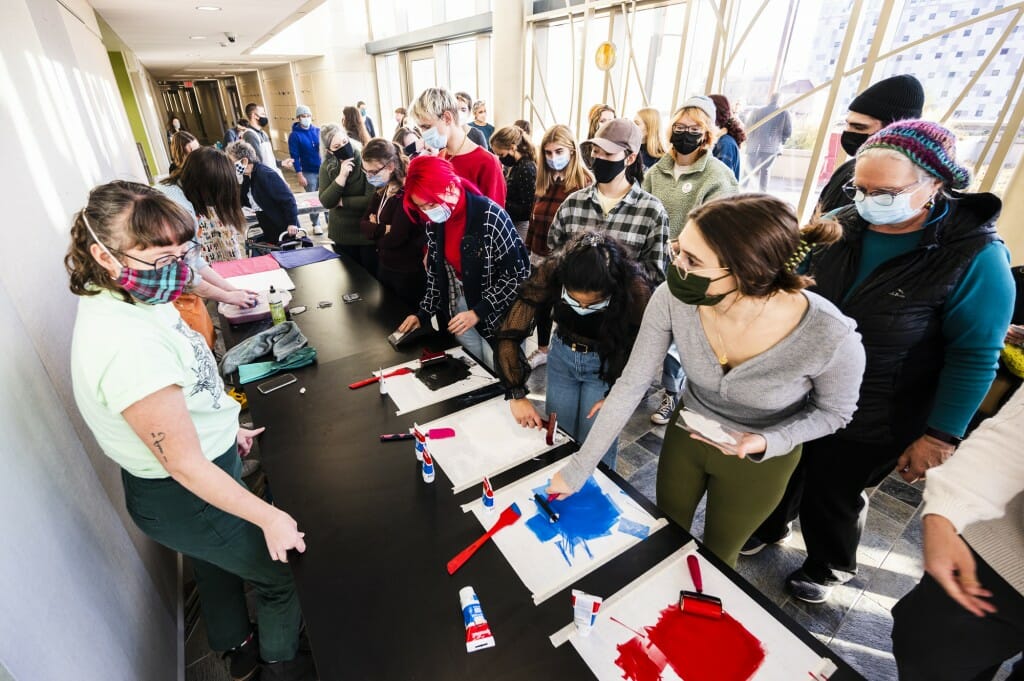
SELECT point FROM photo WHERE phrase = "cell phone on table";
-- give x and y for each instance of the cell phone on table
(276, 383)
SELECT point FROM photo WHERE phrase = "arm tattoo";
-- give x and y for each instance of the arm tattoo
(157, 439)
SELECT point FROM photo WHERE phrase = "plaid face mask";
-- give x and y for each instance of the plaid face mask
(153, 287)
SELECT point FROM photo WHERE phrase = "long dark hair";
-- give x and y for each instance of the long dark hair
(209, 182)
(354, 126)
(595, 262)
(724, 118)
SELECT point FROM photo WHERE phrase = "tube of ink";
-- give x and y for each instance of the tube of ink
(584, 611)
(428, 467)
(421, 441)
(487, 497)
(478, 632)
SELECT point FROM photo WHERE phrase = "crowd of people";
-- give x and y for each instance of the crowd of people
(824, 355)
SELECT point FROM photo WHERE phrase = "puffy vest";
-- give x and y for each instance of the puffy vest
(898, 310)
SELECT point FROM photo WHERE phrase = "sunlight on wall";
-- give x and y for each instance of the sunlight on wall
(310, 35)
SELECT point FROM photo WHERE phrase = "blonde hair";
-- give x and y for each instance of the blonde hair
(576, 174)
(703, 120)
(513, 137)
(432, 103)
(653, 140)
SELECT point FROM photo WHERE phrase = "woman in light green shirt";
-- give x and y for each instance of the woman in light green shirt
(148, 387)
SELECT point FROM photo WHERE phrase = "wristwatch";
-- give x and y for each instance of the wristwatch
(943, 436)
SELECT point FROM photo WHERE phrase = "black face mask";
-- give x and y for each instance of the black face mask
(605, 171)
(852, 141)
(410, 150)
(686, 142)
(508, 160)
(263, 121)
(344, 153)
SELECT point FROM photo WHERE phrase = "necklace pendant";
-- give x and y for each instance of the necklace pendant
(723, 360)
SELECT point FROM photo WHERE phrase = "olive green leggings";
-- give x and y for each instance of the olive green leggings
(741, 493)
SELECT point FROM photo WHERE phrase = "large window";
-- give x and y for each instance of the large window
(813, 56)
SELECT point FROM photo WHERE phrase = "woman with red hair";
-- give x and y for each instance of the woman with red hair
(475, 258)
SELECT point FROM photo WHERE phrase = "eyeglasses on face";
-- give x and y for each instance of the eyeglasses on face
(164, 260)
(692, 129)
(682, 261)
(883, 197)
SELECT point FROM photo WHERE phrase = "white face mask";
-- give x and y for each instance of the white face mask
(305, 121)
(432, 138)
(438, 214)
(899, 211)
(558, 161)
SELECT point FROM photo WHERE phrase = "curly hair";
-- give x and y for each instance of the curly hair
(122, 215)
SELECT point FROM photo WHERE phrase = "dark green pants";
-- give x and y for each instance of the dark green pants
(741, 493)
(225, 551)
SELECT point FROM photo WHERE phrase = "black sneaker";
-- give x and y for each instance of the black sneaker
(754, 544)
(299, 668)
(244, 660)
(800, 585)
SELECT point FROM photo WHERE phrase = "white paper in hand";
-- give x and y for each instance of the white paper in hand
(706, 427)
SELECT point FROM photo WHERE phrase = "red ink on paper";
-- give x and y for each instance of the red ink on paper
(697, 649)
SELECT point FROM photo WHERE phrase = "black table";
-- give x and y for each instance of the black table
(377, 599)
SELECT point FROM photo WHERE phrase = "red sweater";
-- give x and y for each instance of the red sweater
(483, 169)
(454, 230)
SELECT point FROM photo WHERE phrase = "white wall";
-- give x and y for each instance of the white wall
(84, 595)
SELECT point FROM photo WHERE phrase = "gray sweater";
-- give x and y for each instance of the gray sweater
(804, 387)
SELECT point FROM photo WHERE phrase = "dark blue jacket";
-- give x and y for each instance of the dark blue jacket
(275, 199)
(304, 148)
(728, 152)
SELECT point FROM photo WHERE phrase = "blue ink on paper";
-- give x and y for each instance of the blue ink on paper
(639, 530)
(586, 515)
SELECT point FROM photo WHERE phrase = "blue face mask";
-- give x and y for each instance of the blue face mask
(558, 162)
(899, 211)
(305, 122)
(584, 311)
(379, 179)
(432, 138)
(438, 214)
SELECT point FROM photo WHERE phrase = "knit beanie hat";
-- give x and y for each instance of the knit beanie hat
(928, 145)
(303, 110)
(891, 100)
(702, 102)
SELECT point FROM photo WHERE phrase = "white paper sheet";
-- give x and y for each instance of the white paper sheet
(638, 605)
(487, 441)
(262, 281)
(548, 566)
(409, 393)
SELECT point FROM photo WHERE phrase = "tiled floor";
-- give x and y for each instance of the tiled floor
(855, 622)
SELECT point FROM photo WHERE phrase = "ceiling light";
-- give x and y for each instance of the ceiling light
(207, 8)
(197, 37)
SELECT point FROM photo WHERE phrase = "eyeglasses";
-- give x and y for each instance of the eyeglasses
(881, 196)
(375, 173)
(680, 262)
(164, 260)
(596, 305)
(692, 129)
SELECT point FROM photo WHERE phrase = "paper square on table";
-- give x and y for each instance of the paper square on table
(650, 603)
(550, 556)
(409, 393)
(262, 281)
(487, 441)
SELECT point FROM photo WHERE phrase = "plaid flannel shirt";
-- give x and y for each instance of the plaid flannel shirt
(638, 221)
(494, 264)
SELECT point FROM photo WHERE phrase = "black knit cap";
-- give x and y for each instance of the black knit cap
(892, 99)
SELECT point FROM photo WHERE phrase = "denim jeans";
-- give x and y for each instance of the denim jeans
(672, 371)
(472, 341)
(313, 184)
(573, 388)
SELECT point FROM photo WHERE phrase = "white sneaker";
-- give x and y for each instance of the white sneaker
(318, 230)
(664, 411)
(537, 358)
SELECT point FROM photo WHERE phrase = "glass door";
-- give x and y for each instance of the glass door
(421, 72)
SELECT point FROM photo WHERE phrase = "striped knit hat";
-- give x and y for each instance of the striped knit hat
(927, 145)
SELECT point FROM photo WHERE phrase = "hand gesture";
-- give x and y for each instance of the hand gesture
(923, 453)
(463, 322)
(411, 323)
(289, 163)
(303, 182)
(243, 299)
(950, 563)
(282, 534)
(596, 408)
(749, 443)
(558, 487)
(525, 413)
